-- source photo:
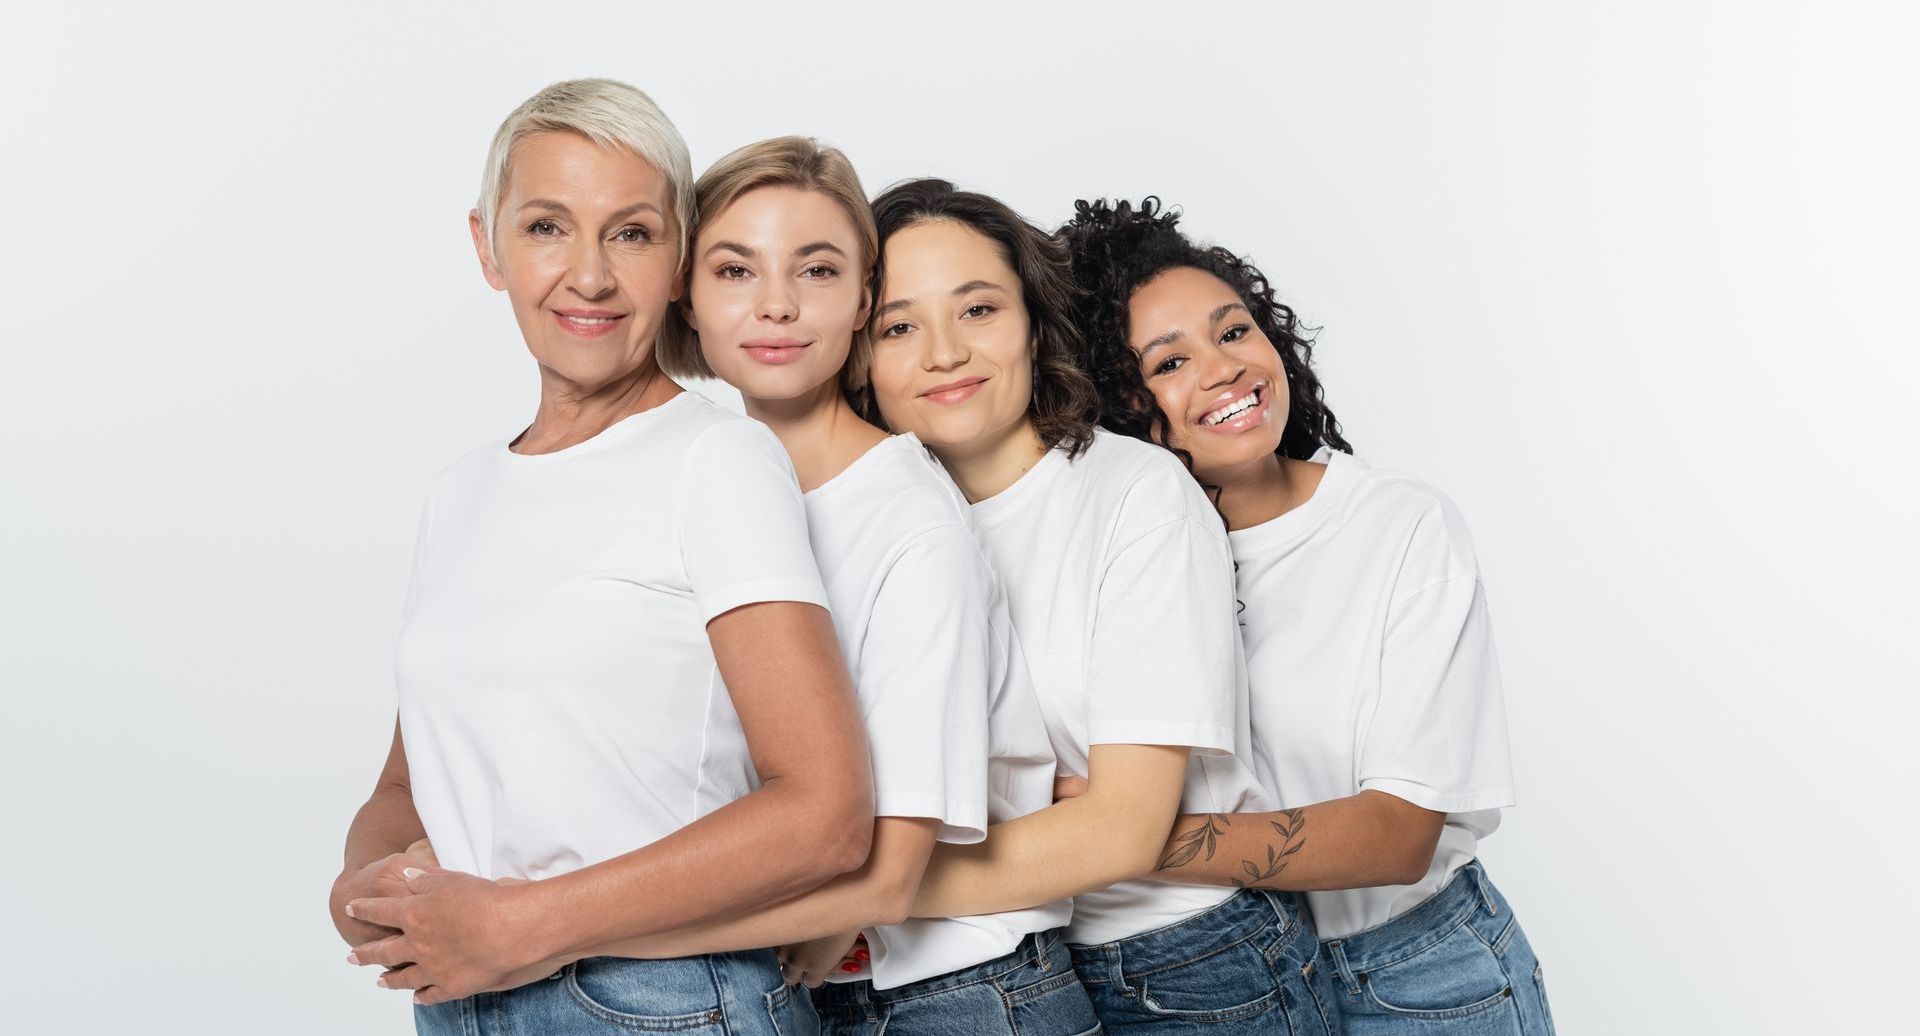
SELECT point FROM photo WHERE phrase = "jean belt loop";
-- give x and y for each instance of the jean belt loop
(1480, 882)
(1337, 949)
(1116, 969)
(1043, 950)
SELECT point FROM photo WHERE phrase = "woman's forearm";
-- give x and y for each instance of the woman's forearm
(770, 845)
(879, 893)
(1360, 841)
(1111, 833)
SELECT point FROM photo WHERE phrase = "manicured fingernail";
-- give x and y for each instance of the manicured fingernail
(411, 873)
(381, 982)
(849, 968)
(352, 957)
(416, 998)
(350, 912)
(862, 955)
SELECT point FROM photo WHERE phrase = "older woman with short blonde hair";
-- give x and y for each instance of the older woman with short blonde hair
(622, 707)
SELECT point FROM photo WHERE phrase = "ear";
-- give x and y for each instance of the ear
(685, 302)
(677, 291)
(866, 307)
(484, 249)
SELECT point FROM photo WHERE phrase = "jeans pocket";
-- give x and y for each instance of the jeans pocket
(1230, 985)
(648, 996)
(1055, 1005)
(1457, 977)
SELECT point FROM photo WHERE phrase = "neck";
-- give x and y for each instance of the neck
(821, 432)
(571, 414)
(1264, 489)
(987, 469)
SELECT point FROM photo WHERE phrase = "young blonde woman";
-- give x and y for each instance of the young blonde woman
(615, 620)
(1120, 586)
(1377, 708)
(779, 292)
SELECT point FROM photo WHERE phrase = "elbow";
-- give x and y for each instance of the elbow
(845, 840)
(1409, 870)
(849, 851)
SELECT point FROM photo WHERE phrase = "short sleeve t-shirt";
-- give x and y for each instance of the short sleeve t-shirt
(559, 699)
(1370, 657)
(1120, 583)
(954, 728)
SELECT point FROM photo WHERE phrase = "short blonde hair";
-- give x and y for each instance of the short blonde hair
(612, 115)
(801, 162)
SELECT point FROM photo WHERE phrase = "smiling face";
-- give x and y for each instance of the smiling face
(953, 344)
(777, 288)
(583, 248)
(1212, 371)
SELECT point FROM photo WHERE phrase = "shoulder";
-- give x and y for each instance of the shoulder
(1146, 485)
(716, 435)
(1415, 513)
(908, 501)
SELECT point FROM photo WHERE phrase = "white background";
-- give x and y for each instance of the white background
(1633, 283)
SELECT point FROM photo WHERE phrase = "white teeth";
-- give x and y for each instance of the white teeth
(1246, 403)
(591, 320)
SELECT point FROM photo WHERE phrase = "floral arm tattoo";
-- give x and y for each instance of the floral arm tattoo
(1203, 841)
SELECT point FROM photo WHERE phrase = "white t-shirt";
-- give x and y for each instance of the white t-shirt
(1120, 583)
(559, 699)
(1371, 662)
(955, 730)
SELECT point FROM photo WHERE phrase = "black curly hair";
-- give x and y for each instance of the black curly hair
(1116, 247)
(1064, 405)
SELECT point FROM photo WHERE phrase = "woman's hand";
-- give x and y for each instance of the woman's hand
(458, 935)
(810, 962)
(381, 879)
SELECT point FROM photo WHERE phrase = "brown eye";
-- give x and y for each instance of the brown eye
(1170, 364)
(1234, 333)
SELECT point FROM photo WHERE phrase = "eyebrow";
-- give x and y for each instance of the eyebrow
(554, 206)
(746, 252)
(961, 290)
(1166, 338)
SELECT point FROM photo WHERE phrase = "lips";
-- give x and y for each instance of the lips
(954, 392)
(588, 323)
(1237, 412)
(776, 350)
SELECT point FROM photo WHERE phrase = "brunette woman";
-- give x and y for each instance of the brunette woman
(1377, 712)
(1121, 592)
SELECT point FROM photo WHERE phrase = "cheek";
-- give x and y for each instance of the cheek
(1171, 400)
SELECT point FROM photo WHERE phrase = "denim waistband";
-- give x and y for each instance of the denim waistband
(1240, 917)
(1041, 950)
(1467, 895)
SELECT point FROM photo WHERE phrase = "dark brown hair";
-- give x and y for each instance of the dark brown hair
(1065, 406)
(1115, 248)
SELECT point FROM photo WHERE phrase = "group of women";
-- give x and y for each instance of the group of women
(1032, 658)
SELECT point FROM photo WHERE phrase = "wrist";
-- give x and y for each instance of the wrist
(527, 911)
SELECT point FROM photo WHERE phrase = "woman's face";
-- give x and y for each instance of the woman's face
(777, 287)
(952, 349)
(1212, 371)
(583, 247)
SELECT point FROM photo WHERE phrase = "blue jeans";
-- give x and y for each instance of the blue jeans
(724, 994)
(1245, 966)
(1031, 991)
(1457, 964)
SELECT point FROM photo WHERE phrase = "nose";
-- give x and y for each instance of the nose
(1216, 369)
(945, 350)
(776, 301)
(590, 274)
